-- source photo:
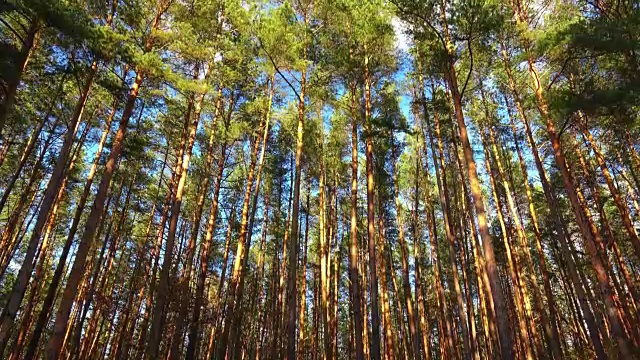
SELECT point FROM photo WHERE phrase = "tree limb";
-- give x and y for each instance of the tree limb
(12, 30)
(470, 68)
(278, 70)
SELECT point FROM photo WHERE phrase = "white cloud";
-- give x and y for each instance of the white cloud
(399, 28)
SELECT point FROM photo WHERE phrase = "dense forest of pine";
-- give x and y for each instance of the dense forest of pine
(320, 179)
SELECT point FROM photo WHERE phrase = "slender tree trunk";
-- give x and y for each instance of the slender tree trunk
(24, 274)
(561, 234)
(159, 311)
(445, 202)
(10, 238)
(388, 335)
(324, 285)
(504, 329)
(51, 222)
(178, 328)
(77, 270)
(411, 316)
(441, 300)
(521, 317)
(231, 332)
(621, 300)
(373, 276)
(554, 335)
(292, 266)
(57, 275)
(63, 313)
(192, 346)
(34, 290)
(623, 208)
(353, 246)
(589, 232)
(28, 150)
(524, 253)
(417, 258)
(303, 278)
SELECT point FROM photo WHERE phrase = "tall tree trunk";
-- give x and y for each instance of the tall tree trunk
(441, 300)
(24, 274)
(504, 328)
(9, 237)
(589, 232)
(159, 311)
(183, 285)
(554, 335)
(51, 222)
(388, 335)
(622, 302)
(77, 270)
(373, 276)
(421, 320)
(58, 273)
(526, 269)
(303, 278)
(623, 208)
(559, 223)
(324, 285)
(192, 346)
(279, 304)
(28, 150)
(353, 246)
(414, 352)
(521, 317)
(231, 332)
(292, 266)
(445, 202)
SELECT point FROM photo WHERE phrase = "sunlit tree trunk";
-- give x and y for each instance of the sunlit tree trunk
(20, 286)
(159, 311)
(388, 335)
(44, 251)
(554, 335)
(514, 265)
(414, 350)
(441, 300)
(230, 343)
(302, 347)
(95, 215)
(10, 237)
(445, 202)
(589, 232)
(420, 320)
(504, 328)
(58, 273)
(324, 238)
(353, 243)
(26, 153)
(373, 276)
(559, 223)
(623, 208)
(526, 264)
